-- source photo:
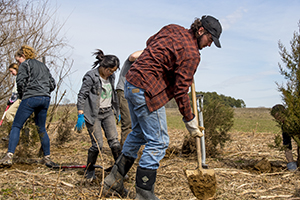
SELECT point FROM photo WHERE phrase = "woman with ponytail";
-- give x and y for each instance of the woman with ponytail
(97, 106)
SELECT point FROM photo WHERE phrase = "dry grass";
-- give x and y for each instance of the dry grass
(237, 177)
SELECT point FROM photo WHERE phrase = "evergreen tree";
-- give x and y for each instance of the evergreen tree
(291, 91)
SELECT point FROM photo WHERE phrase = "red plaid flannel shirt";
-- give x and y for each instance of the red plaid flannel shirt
(166, 68)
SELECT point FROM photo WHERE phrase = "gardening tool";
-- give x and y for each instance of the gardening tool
(4, 115)
(202, 182)
(200, 98)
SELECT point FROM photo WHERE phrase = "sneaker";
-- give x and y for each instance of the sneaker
(49, 163)
(6, 161)
(5, 139)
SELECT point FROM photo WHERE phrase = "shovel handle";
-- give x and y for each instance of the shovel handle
(195, 111)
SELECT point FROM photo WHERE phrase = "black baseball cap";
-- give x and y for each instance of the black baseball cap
(213, 26)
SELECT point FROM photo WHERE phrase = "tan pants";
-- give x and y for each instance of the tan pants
(11, 112)
(125, 116)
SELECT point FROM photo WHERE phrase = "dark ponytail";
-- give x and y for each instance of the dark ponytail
(99, 57)
(106, 61)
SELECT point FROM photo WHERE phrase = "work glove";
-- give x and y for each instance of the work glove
(80, 123)
(193, 128)
(119, 118)
(292, 166)
(9, 102)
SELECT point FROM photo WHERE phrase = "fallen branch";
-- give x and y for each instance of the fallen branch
(234, 171)
(258, 153)
(276, 196)
(259, 191)
(33, 174)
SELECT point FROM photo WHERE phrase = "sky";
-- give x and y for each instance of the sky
(246, 67)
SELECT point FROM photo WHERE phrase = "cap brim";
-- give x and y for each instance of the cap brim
(216, 41)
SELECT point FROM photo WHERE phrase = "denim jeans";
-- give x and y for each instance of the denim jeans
(39, 105)
(148, 128)
(107, 122)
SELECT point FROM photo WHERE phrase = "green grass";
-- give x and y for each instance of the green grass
(174, 119)
(245, 119)
(258, 120)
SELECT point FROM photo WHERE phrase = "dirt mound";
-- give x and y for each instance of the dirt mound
(264, 166)
(172, 152)
(189, 146)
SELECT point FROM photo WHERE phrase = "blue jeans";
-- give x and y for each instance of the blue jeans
(106, 121)
(39, 105)
(148, 128)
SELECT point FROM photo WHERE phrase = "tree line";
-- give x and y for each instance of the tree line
(214, 97)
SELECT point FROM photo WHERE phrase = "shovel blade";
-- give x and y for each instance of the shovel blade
(202, 183)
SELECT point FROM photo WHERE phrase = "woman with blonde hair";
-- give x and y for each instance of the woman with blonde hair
(34, 85)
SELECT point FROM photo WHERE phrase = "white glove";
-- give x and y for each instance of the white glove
(193, 128)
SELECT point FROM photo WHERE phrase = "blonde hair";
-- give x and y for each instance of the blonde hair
(14, 66)
(26, 51)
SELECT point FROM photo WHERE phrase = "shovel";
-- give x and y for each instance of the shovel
(201, 123)
(7, 107)
(202, 182)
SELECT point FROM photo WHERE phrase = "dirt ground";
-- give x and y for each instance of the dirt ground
(247, 169)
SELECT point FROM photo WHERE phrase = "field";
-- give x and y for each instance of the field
(248, 168)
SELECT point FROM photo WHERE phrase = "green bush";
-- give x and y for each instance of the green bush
(218, 119)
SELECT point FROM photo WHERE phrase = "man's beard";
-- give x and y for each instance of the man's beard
(198, 37)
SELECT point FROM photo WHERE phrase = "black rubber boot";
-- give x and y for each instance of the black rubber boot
(90, 170)
(145, 179)
(113, 183)
(116, 151)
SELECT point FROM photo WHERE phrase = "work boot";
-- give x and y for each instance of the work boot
(116, 151)
(90, 170)
(113, 183)
(49, 163)
(145, 179)
(6, 161)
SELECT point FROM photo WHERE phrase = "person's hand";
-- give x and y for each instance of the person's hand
(80, 123)
(119, 119)
(9, 102)
(193, 128)
(292, 166)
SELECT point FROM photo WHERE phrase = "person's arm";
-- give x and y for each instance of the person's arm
(135, 55)
(22, 78)
(84, 92)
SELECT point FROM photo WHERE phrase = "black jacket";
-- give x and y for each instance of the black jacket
(34, 79)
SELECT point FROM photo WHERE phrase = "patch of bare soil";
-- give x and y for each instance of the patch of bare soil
(246, 169)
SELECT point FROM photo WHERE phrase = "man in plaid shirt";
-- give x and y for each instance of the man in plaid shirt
(163, 71)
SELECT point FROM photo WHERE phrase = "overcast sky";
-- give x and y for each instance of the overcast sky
(246, 67)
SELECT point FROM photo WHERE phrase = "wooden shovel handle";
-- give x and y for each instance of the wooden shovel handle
(195, 111)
